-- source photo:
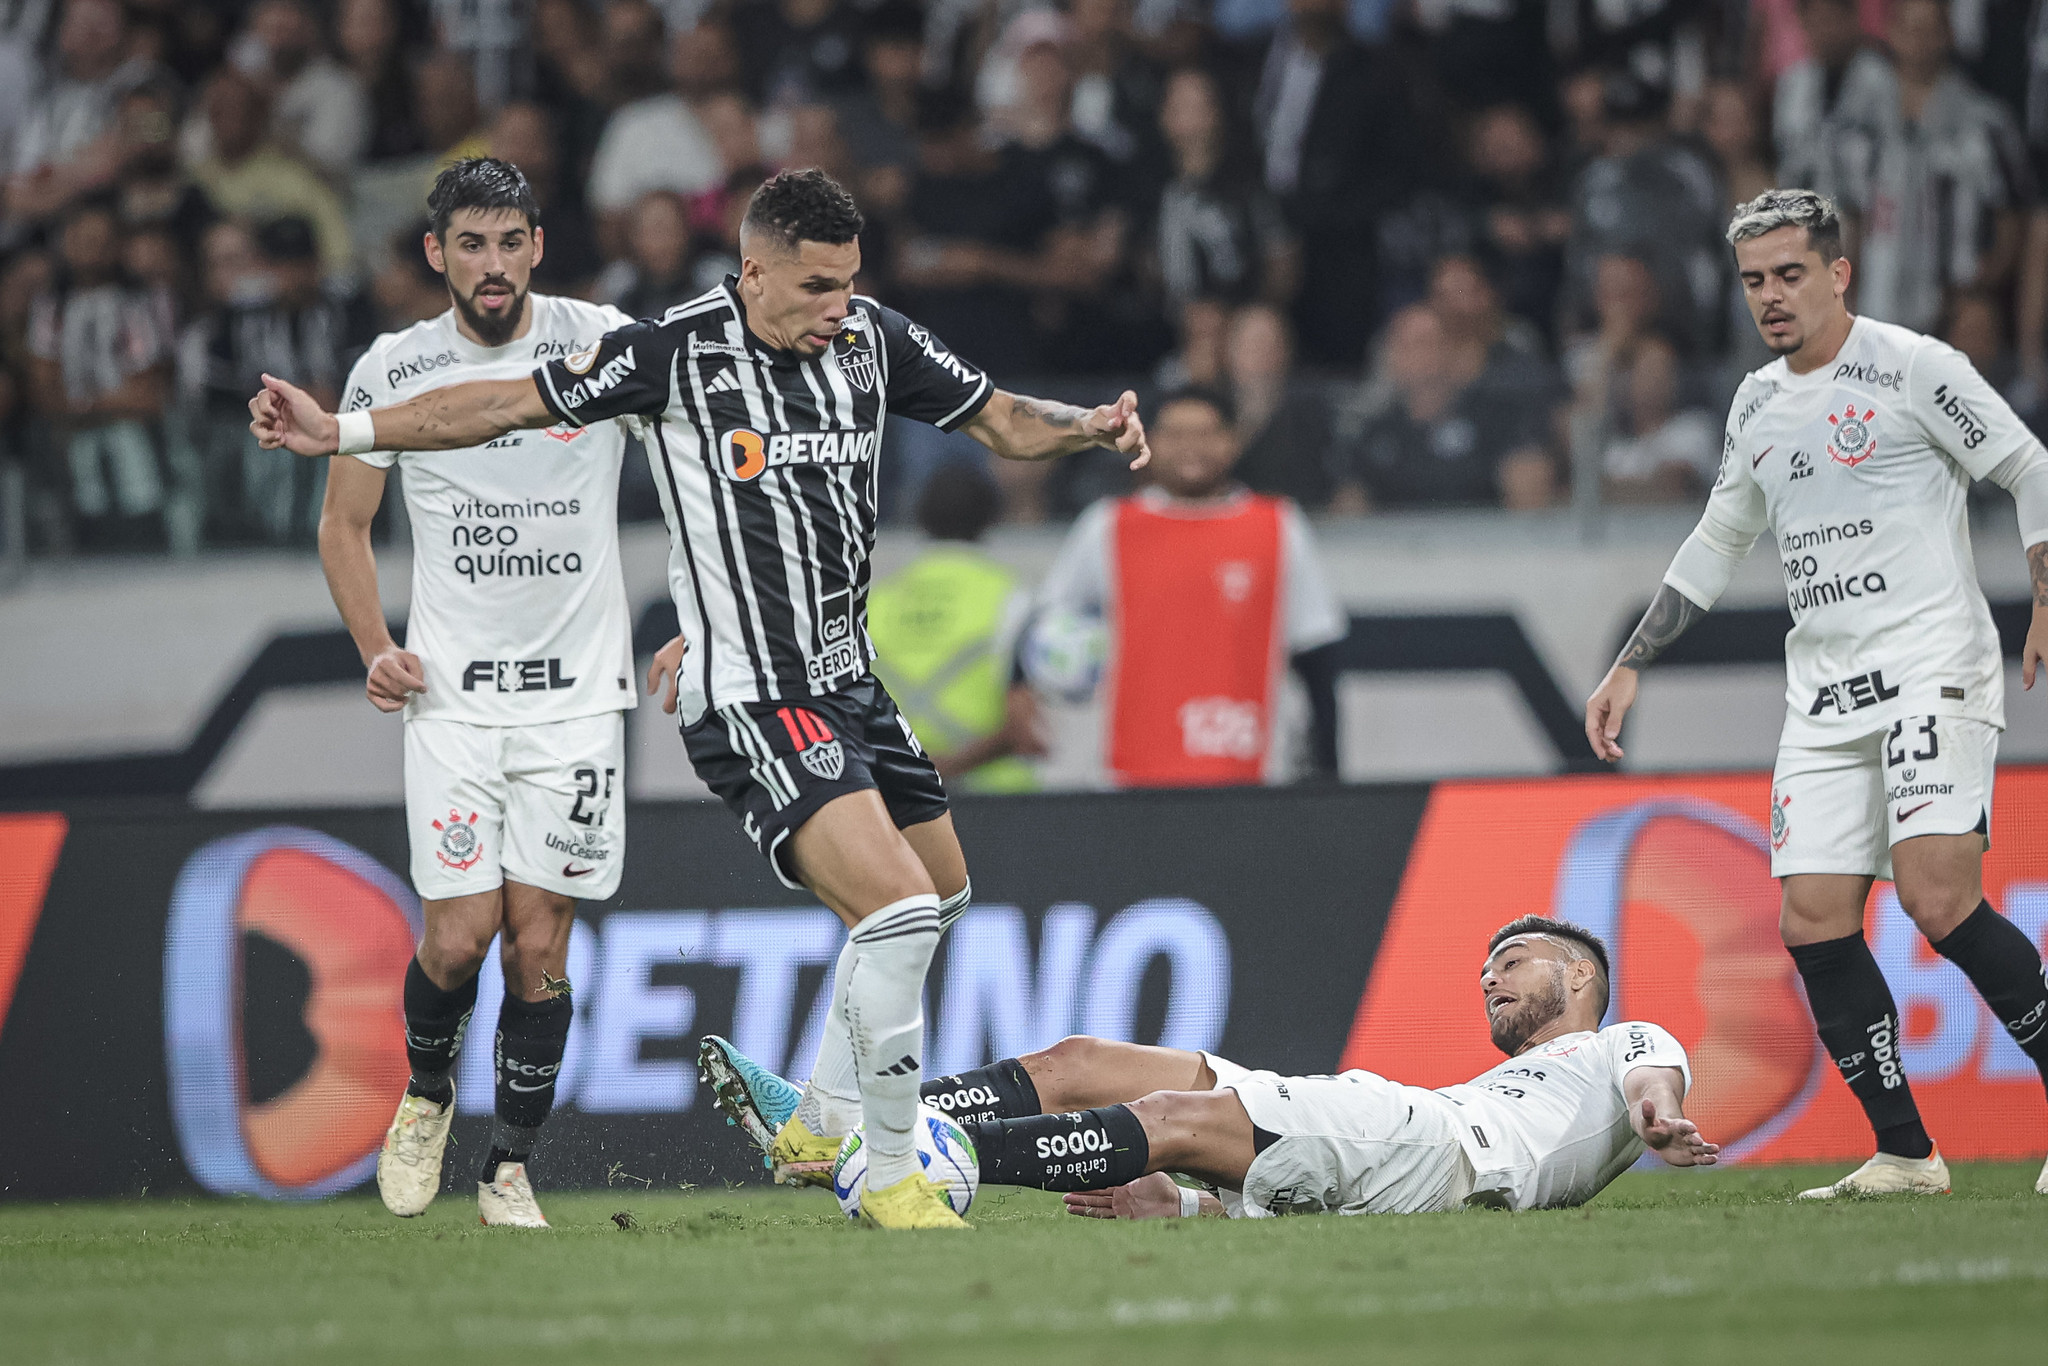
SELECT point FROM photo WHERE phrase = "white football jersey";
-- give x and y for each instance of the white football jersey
(1550, 1127)
(518, 606)
(1861, 470)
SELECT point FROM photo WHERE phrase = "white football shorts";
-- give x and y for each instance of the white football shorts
(1354, 1143)
(542, 804)
(1841, 808)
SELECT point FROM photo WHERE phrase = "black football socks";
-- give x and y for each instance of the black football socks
(1859, 1025)
(531, 1038)
(434, 1024)
(2005, 967)
(1001, 1090)
(1082, 1150)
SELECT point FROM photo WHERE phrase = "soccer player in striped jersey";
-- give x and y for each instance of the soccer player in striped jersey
(765, 402)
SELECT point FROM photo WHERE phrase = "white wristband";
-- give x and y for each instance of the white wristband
(358, 433)
(1190, 1202)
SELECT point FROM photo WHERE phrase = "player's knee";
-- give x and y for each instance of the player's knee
(1077, 1053)
(452, 952)
(1174, 1121)
(1937, 910)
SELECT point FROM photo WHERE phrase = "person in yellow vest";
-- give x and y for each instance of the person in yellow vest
(945, 629)
(1207, 592)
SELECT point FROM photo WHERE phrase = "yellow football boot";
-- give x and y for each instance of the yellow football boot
(913, 1202)
(799, 1157)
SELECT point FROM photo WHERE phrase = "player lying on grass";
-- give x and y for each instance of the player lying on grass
(1572, 1107)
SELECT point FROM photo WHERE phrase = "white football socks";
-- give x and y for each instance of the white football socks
(884, 1005)
(831, 1099)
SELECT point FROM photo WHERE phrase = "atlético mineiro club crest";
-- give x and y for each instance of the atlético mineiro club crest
(856, 354)
(815, 744)
(460, 846)
(1853, 441)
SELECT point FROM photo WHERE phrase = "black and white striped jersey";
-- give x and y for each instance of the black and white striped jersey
(767, 469)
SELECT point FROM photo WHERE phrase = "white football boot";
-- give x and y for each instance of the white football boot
(507, 1201)
(1885, 1174)
(409, 1163)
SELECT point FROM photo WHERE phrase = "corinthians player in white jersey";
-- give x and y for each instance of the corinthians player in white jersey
(513, 681)
(1856, 448)
(1572, 1107)
(766, 400)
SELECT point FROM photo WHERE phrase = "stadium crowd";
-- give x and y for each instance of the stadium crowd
(1435, 252)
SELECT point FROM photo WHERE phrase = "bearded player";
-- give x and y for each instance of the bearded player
(1572, 1107)
(765, 400)
(1856, 448)
(513, 680)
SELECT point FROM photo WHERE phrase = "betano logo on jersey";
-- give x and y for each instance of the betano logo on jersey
(746, 454)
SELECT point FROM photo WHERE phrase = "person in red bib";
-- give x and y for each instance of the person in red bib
(1206, 591)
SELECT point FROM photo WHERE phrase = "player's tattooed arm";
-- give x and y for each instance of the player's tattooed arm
(440, 420)
(2035, 652)
(1671, 615)
(1018, 427)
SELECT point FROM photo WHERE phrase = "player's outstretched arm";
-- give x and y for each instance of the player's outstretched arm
(1157, 1196)
(1020, 428)
(286, 416)
(1656, 1112)
(1671, 615)
(2035, 651)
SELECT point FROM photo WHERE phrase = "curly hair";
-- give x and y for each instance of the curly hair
(804, 206)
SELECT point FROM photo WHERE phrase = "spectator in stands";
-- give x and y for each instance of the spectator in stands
(101, 371)
(1117, 88)
(154, 190)
(945, 628)
(1341, 147)
(319, 110)
(1284, 420)
(1652, 196)
(1841, 71)
(655, 276)
(879, 120)
(451, 121)
(1207, 591)
(1489, 53)
(1730, 128)
(1657, 452)
(1218, 233)
(248, 177)
(64, 149)
(405, 289)
(1518, 201)
(368, 34)
(1934, 177)
(798, 51)
(1432, 437)
(655, 142)
(524, 135)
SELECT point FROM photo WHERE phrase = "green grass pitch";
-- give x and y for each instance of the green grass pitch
(1693, 1267)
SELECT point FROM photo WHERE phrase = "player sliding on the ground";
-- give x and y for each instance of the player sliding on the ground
(764, 401)
(517, 665)
(1572, 1107)
(1856, 448)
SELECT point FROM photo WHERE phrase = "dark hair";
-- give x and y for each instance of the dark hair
(1557, 929)
(1791, 208)
(1200, 393)
(958, 503)
(289, 238)
(479, 183)
(894, 21)
(804, 206)
(944, 109)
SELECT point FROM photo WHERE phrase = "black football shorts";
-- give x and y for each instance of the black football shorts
(775, 763)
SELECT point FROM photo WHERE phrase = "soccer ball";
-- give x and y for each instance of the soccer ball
(1063, 654)
(945, 1151)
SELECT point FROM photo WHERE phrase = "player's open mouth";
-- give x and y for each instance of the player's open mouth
(1496, 1000)
(493, 296)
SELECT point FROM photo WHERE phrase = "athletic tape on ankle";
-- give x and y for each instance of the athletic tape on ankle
(357, 434)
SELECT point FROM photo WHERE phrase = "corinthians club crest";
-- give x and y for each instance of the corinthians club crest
(855, 349)
(1853, 442)
(460, 845)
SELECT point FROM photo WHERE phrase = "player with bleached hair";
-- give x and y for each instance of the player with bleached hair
(1572, 1108)
(1856, 449)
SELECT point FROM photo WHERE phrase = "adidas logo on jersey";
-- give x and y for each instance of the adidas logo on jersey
(724, 382)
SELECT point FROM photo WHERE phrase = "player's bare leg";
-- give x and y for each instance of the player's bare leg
(852, 856)
(1821, 921)
(1206, 1134)
(533, 1031)
(1941, 886)
(440, 994)
(1080, 1073)
(830, 1105)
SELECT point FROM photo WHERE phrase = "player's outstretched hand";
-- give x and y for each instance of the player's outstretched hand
(1678, 1140)
(1149, 1197)
(661, 674)
(1606, 708)
(284, 415)
(2035, 652)
(395, 676)
(1120, 420)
